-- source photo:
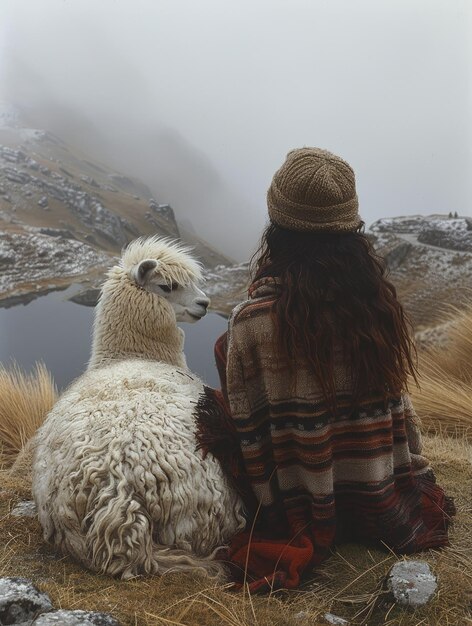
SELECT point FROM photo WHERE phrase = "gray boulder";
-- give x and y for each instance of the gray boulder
(27, 508)
(21, 601)
(75, 618)
(330, 618)
(412, 583)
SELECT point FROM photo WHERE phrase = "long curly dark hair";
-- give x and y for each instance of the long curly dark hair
(334, 295)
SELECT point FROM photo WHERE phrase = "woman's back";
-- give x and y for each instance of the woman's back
(314, 369)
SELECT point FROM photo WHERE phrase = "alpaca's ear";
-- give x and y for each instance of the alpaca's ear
(143, 270)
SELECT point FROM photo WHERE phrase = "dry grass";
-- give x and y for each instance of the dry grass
(349, 584)
(444, 400)
(25, 400)
(455, 359)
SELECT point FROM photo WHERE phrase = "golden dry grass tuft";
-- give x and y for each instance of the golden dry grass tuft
(25, 399)
(455, 359)
(444, 400)
(349, 584)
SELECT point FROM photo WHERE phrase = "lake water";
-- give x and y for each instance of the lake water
(59, 333)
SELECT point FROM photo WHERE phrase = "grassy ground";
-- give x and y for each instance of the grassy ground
(349, 584)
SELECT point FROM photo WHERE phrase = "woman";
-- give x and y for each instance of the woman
(314, 371)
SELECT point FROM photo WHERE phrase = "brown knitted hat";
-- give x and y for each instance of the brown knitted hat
(314, 190)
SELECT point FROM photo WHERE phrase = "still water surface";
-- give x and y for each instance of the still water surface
(59, 333)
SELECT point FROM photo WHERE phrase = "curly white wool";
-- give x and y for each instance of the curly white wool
(116, 476)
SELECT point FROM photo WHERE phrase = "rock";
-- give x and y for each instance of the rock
(32, 164)
(16, 176)
(75, 618)
(11, 155)
(64, 233)
(30, 259)
(412, 583)
(334, 619)
(90, 181)
(27, 508)
(21, 601)
(43, 202)
(460, 240)
(395, 257)
(87, 297)
(162, 209)
(409, 224)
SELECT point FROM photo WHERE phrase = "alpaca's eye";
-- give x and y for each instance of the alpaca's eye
(169, 288)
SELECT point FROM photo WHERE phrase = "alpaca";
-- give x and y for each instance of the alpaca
(117, 478)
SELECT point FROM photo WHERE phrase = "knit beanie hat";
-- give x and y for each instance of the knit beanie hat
(314, 190)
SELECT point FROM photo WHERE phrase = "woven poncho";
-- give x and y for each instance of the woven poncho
(311, 478)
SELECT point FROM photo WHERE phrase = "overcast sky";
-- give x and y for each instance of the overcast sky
(202, 99)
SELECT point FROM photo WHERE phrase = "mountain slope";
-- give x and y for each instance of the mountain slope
(68, 212)
(430, 263)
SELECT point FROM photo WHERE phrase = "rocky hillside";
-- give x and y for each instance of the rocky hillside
(68, 213)
(430, 263)
(429, 260)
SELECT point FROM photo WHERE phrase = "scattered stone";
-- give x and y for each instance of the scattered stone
(35, 256)
(43, 202)
(64, 233)
(11, 155)
(334, 619)
(412, 583)
(27, 508)
(32, 164)
(162, 209)
(21, 601)
(16, 176)
(87, 297)
(75, 618)
(90, 181)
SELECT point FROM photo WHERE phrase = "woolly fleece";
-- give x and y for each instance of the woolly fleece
(117, 478)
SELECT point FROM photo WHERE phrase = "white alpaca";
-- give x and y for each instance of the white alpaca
(117, 478)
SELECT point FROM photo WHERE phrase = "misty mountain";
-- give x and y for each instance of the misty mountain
(54, 197)
(171, 166)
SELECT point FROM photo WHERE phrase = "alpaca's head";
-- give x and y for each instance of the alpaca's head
(167, 270)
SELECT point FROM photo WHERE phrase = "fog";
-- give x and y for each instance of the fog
(202, 100)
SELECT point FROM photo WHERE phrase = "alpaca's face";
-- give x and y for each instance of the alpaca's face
(188, 301)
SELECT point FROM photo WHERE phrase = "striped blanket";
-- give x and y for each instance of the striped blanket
(312, 479)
